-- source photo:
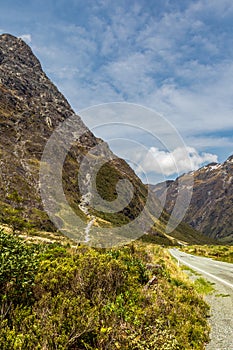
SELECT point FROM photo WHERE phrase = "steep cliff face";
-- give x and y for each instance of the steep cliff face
(211, 207)
(31, 108)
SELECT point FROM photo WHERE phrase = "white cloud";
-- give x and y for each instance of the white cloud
(177, 62)
(178, 161)
(147, 61)
(26, 37)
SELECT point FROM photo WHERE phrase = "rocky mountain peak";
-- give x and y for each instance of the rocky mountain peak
(16, 54)
(31, 107)
(210, 210)
(24, 87)
(230, 159)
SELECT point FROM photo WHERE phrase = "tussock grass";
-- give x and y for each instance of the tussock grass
(203, 286)
(217, 252)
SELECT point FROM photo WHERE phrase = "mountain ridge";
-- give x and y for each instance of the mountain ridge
(210, 210)
(31, 108)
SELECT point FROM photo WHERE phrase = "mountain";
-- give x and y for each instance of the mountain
(211, 207)
(31, 109)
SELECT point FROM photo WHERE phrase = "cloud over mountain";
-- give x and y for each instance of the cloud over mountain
(169, 163)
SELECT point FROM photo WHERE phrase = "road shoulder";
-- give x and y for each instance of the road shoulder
(221, 306)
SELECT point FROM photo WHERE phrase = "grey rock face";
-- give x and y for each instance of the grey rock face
(211, 207)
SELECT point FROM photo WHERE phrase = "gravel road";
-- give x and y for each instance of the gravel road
(220, 301)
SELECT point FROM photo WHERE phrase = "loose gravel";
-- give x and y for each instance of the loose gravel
(221, 317)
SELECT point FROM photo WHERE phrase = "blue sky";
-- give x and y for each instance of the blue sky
(175, 57)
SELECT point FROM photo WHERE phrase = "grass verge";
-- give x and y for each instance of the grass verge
(221, 253)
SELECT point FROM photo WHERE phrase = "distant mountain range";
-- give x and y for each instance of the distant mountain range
(31, 107)
(211, 207)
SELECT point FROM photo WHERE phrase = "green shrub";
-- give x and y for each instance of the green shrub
(18, 266)
(85, 298)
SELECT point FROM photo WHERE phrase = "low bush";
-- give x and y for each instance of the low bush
(87, 298)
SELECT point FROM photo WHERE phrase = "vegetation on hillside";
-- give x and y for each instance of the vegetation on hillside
(55, 297)
(217, 252)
